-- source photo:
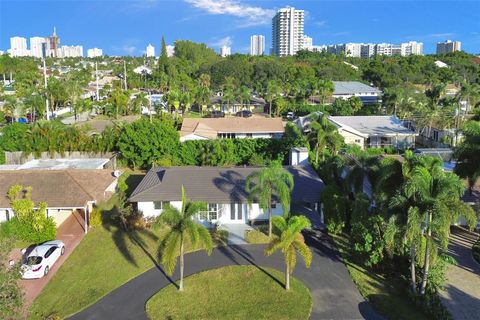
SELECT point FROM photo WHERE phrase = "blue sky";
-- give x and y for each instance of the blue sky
(126, 27)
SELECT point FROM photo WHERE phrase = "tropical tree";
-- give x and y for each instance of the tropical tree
(173, 99)
(323, 134)
(138, 102)
(468, 154)
(228, 91)
(324, 89)
(182, 227)
(273, 91)
(13, 107)
(244, 95)
(289, 240)
(360, 167)
(269, 184)
(119, 101)
(202, 98)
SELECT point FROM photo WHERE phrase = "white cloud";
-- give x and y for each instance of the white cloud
(252, 15)
(129, 49)
(227, 41)
(320, 24)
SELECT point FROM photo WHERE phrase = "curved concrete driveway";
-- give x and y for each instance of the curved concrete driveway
(334, 294)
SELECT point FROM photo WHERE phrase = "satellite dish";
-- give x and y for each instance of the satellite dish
(116, 173)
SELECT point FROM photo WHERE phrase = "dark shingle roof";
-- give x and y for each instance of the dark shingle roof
(218, 184)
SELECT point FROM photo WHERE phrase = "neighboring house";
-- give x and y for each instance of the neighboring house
(347, 89)
(213, 128)
(223, 189)
(232, 107)
(374, 131)
(435, 137)
(64, 191)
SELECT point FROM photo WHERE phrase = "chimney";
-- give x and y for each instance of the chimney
(299, 156)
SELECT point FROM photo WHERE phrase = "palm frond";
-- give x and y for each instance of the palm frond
(170, 251)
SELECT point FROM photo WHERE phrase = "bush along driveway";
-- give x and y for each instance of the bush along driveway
(333, 293)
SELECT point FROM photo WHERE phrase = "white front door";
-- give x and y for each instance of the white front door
(238, 212)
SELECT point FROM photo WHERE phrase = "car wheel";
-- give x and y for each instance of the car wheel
(46, 271)
(63, 251)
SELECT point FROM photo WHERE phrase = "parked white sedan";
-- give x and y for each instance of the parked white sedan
(40, 260)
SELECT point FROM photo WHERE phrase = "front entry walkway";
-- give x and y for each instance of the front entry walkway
(462, 288)
(334, 295)
(236, 232)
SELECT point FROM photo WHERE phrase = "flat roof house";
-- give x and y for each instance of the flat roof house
(374, 131)
(223, 188)
(224, 128)
(64, 191)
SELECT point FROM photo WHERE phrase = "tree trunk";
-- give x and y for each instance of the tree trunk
(180, 287)
(287, 277)
(316, 156)
(270, 218)
(427, 258)
(412, 269)
(270, 109)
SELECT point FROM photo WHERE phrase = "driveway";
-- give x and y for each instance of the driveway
(334, 294)
(462, 288)
(71, 232)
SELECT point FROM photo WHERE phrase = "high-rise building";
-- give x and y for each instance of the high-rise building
(18, 47)
(287, 31)
(257, 45)
(367, 50)
(94, 52)
(150, 51)
(170, 50)
(71, 52)
(352, 50)
(38, 47)
(225, 51)
(53, 45)
(448, 46)
(307, 43)
(412, 48)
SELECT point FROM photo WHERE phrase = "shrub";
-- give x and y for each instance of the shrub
(256, 236)
(334, 208)
(476, 251)
(95, 218)
(44, 230)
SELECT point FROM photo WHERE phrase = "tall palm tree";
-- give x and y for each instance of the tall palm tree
(182, 227)
(272, 182)
(173, 100)
(290, 240)
(325, 89)
(360, 168)
(324, 134)
(273, 91)
(244, 95)
(436, 195)
(228, 91)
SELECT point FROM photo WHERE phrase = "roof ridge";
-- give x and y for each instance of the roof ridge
(78, 184)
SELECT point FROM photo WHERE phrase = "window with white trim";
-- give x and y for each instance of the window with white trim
(160, 205)
(212, 211)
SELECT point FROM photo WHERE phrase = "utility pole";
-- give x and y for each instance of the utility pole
(46, 86)
(96, 79)
(125, 74)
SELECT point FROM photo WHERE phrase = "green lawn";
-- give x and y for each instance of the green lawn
(387, 296)
(235, 292)
(105, 259)
(256, 236)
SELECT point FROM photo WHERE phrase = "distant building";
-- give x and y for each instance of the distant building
(367, 50)
(412, 48)
(441, 64)
(225, 51)
(307, 43)
(38, 47)
(287, 32)
(170, 50)
(353, 50)
(94, 52)
(53, 43)
(150, 51)
(71, 52)
(448, 46)
(18, 47)
(257, 45)
(347, 89)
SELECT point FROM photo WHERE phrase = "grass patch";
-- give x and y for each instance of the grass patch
(256, 236)
(388, 296)
(235, 292)
(476, 251)
(106, 258)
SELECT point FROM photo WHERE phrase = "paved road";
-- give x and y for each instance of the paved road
(462, 288)
(334, 294)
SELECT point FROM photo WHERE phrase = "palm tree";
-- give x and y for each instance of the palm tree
(138, 102)
(244, 95)
(228, 91)
(182, 227)
(290, 240)
(323, 134)
(273, 90)
(324, 89)
(360, 168)
(269, 183)
(173, 99)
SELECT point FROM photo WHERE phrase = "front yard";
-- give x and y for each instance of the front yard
(106, 258)
(235, 292)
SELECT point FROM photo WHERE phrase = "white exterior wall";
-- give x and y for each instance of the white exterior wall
(4, 216)
(351, 138)
(59, 215)
(253, 212)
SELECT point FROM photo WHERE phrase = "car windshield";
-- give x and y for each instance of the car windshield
(32, 260)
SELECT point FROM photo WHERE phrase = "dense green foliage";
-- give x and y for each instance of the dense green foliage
(28, 224)
(11, 297)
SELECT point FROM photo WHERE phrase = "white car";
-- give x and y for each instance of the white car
(40, 260)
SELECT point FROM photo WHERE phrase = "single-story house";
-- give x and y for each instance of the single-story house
(223, 189)
(64, 191)
(235, 127)
(374, 131)
(347, 89)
